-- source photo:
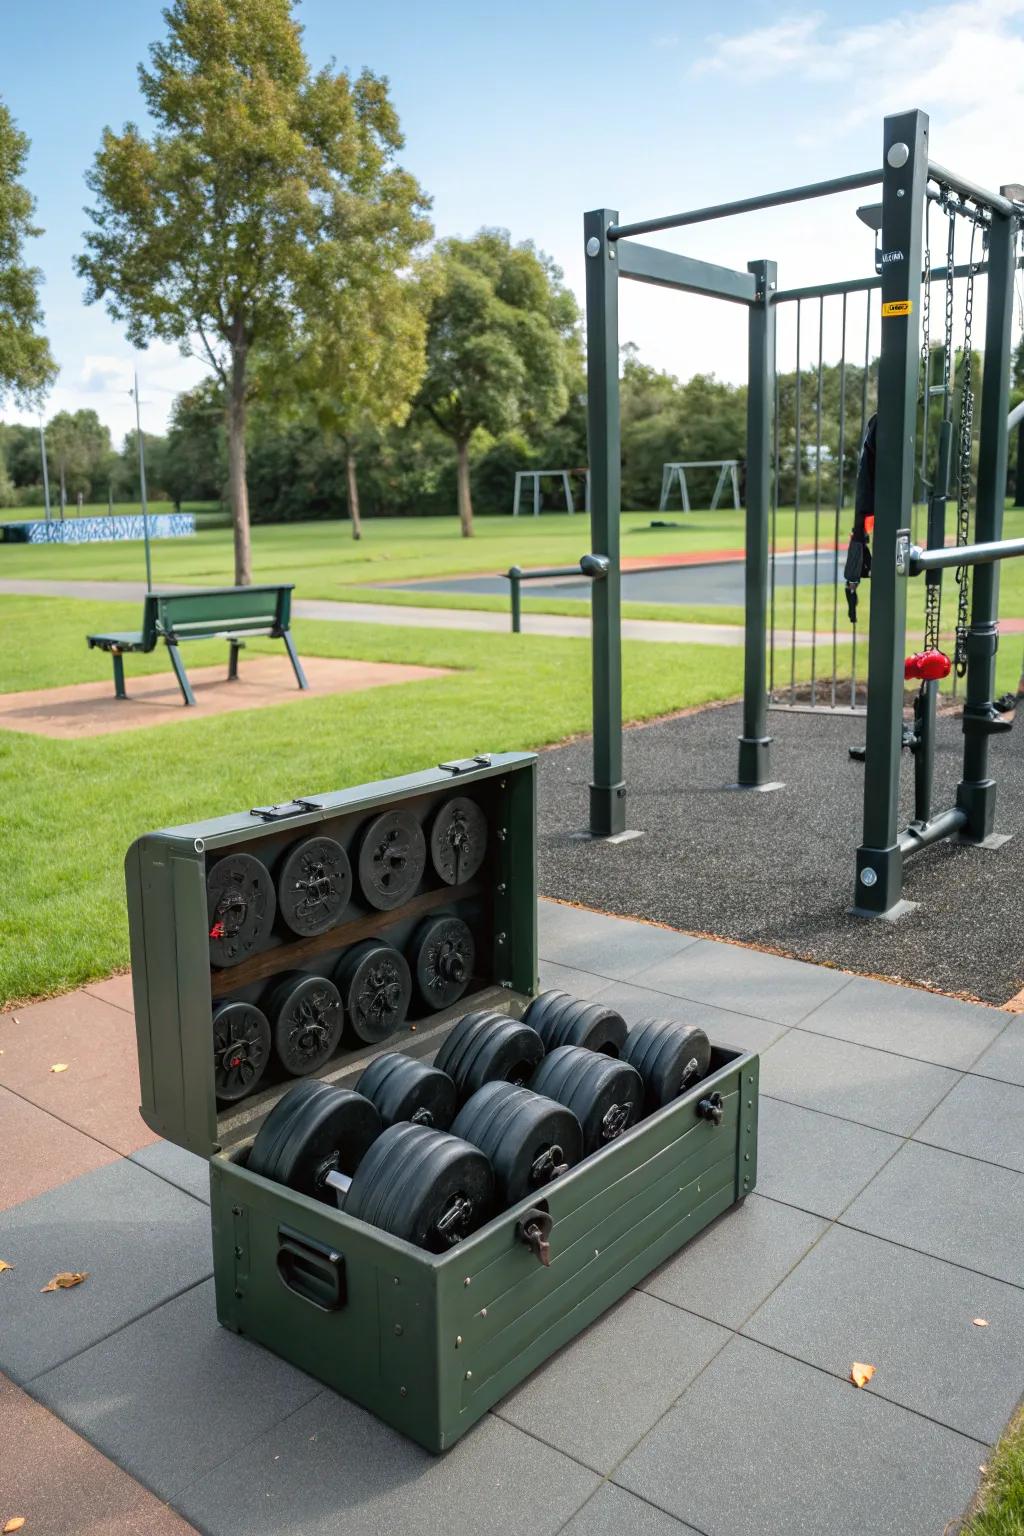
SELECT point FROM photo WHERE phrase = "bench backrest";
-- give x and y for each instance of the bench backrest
(187, 615)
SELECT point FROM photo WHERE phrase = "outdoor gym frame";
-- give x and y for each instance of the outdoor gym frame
(613, 253)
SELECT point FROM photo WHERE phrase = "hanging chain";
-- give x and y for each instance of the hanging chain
(963, 498)
(932, 590)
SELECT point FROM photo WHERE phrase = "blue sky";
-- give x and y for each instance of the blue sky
(523, 116)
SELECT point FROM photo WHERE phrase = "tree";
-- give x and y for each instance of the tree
(20, 447)
(196, 461)
(78, 447)
(261, 178)
(502, 344)
(26, 364)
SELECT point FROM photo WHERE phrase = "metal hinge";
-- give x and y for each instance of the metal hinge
(287, 808)
(467, 764)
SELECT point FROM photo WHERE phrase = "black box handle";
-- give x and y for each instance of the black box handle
(315, 1271)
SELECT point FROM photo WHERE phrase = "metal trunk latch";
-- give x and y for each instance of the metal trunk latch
(712, 1108)
(903, 552)
(534, 1229)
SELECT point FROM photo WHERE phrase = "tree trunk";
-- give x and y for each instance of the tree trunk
(465, 497)
(238, 487)
(353, 493)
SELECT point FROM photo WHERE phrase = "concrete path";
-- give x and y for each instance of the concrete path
(421, 618)
(714, 1399)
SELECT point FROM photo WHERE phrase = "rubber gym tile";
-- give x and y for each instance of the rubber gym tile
(636, 1360)
(177, 1166)
(953, 1207)
(614, 1512)
(816, 1161)
(608, 946)
(907, 1021)
(1004, 1058)
(726, 1272)
(723, 1028)
(980, 1118)
(761, 1443)
(99, 1091)
(39, 1152)
(747, 980)
(876, 1088)
(332, 1467)
(140, 1241)
(855, 1297)
(564, 978)
(116, 990)
(216, 1392)
(62, 1486)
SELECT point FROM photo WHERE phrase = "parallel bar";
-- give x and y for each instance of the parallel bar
(755, 743)
(944, 825)
(861, 284)
(749, 204)
(964, 554)
(666, 269)
(970, 189)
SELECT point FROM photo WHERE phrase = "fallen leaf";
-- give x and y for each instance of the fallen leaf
(861, 1374)
(59, 1066)
(983, 1468)
(4, 1265)
(14, 1524)
(980, 1322)
(65, 1280)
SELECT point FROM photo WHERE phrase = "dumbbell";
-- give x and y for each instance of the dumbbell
(561, 1019)
(417, 1183)
(241, 1049)
(669, 1057)
(605, 1095)
(486, 1046)
(306, 1019)
(403, 1088)
(313, 885)
(240, 908)
(441, 958)
(528, 1139)
(376, 988)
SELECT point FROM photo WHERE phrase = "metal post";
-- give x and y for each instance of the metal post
(607, 791)
(879, 882)
(976, 792)
(46, 472)
(1018, 498)
(515, 577)
(142, 488)
(754, 765)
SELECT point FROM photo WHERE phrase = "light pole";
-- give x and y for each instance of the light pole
(46, 472)
(142, 485)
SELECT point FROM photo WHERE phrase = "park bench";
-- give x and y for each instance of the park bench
(219, 613)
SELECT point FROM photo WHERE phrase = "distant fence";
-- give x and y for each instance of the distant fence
(96, 530)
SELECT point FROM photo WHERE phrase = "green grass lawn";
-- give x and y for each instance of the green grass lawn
(207, 511)
(1000, 1510)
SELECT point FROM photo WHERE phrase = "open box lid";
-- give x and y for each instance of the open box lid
(176, 989)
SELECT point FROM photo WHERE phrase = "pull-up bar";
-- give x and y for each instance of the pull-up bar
(970, 190)
(963, 554)
(750, 204)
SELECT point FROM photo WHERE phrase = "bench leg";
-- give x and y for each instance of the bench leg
(179, 672)
(118, 661)
(236, 646)
(294, 658)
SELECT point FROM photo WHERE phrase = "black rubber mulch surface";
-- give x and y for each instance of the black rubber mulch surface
(777, 869)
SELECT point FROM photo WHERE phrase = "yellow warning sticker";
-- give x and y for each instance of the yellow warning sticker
(897, 307)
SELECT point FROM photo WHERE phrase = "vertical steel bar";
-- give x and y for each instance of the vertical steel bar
(879, 881)
(841, 469)
(515, 577)
(863, 429)
(607, 791)
(797, 448)
(817, 502)
(775, 513)
(976, 792)
(755, 742)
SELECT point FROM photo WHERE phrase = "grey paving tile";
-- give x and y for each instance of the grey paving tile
(891, 1093)
(172, 1395)
(747, 980)
(908, 1021)
(614, 1512)
(724, 1028)
(1004, 1058)
(609, 946)
(736, 1262)
(565, 978)
(140, 1240)
(953, 1207)
(814, 1160)
(635, 1362)
(177, 1166)
(333, 1468)
(855, 1297)
(763, 1444)
(980, 1118)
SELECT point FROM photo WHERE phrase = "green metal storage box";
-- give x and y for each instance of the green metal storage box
(426, 1341)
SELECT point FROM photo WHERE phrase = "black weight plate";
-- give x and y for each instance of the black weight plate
(241, 1049)
(605, 1095)
(392, 858)
(442, 955)
(271, 1134)
(669, 1056)
(404, 1088)
(544, 1005)
(484, 1047)
(332, 1132)
(376, 988)
(306, 1019)
(591, 1025)
(422, 1185)
(240, 908)
(314, 885)
(458, 840)
(528, 1139)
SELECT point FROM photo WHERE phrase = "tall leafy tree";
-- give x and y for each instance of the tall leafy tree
(262, 181)
(78, 447)
(502, 344)
(26, 364)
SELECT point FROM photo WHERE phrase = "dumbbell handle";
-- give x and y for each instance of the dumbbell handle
(339, 1181)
